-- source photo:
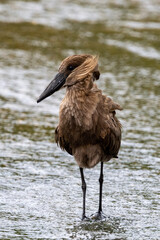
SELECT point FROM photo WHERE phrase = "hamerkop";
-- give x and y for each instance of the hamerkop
(88, 127)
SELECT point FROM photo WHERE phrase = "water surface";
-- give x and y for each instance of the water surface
(40, 190)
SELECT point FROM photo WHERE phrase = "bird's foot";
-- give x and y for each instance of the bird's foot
(98, 216)
(85, 219)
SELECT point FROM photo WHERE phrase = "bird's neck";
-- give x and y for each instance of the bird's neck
(76, 95)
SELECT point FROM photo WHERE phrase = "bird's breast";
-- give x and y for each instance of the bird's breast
(77, 109)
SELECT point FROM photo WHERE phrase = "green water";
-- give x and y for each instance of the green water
(40, 187)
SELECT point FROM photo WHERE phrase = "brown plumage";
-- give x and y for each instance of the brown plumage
(88, 127)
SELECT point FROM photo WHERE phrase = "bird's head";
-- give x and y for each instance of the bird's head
(72, 70)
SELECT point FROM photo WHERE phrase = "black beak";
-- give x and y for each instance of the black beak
(54, 86)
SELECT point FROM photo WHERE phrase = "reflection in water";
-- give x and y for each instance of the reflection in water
(40, 185)
(109, 229)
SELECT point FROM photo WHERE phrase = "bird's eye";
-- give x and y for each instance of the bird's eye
(70, 67)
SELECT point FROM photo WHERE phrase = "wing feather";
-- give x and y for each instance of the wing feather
(110, 136)
(60, 140)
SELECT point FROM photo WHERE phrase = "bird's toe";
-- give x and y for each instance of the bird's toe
(86, 219)
(98, 216)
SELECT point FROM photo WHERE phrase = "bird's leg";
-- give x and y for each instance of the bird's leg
(84, 195)
(99, 215)
(100, 188)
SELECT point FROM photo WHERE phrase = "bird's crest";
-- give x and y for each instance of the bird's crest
(81, 72)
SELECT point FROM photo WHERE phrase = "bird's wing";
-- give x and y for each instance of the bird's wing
(109, 128)
(61, 141)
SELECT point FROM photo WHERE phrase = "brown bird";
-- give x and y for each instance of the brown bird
(88, 127)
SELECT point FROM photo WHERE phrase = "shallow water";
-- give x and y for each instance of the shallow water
(40, 187)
